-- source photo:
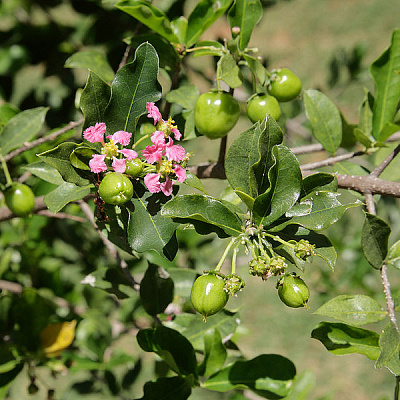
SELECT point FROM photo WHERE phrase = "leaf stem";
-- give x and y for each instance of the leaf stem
(6, 172)
(141, 140)
(234, 257)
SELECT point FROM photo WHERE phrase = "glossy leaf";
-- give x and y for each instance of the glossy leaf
(349, 168)
(374, 240)
(345, 339)
(171, 346)
(202, 17)
(269, 373)
(156, 290)
(214, 353)
(318, 181)
(256, 68)
(384, 72)
(185, 96)
(389, 343)
(45, 172)
(183, 280)
(393, 257)
(193, 327)
(284, 187)
(94, 61)
(134, 85)
(357, 310)
(365, 114)
(147, 229)
(59, 158)
(81, 156)
(58, 198)
(150, 16)
(23, 127)
(94, 99)
(194, 182)
(326, 210)
(302, 385)
(324, 118)
(205, 209)
(174, 387)
(249, 158)
(228, 71)
(245, 14)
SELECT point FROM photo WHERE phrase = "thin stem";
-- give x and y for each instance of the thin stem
(222, 151)
(5, 169)
(141, 140)
(331, 160)
(221, 261)
(388, 296)
(234, 257)
(381, 167)
(278, 239)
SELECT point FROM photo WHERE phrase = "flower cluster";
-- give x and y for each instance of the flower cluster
(164, 160)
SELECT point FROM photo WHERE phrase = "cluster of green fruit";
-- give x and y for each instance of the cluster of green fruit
(216, 112)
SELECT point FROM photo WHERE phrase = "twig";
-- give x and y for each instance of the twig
(369, 201)
(331, 160)
(109, 245)
(124, 59)
(381, 167)
(44, 139)
(60, 215)
(388, 296)
(309, 148)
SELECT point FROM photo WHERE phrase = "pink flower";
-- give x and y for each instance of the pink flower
(121, 137)
(152, 154)
(152, 182)
(153, 112)
(97, 163)
(95, 133)
(166, 186)
(177, 134)
(180, 173)
(158, 138)
(129, 154)
(174, 152)
(119, 165)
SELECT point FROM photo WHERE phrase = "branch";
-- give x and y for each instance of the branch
(37, 142)
(380, 168)
(331, 160)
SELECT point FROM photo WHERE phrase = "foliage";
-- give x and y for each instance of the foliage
(87, 274)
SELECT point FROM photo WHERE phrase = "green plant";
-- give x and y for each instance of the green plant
(261, 105)
(293, 291)
(284, 85)
(215, 114)
(115, 188)
(19, 199)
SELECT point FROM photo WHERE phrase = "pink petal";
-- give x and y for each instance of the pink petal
(95, 133)
(129, 154)
(119, 165)
(97, 163)
(158, 138)
(152, 154)
(180, 173)
(177, 134)
(153, 112)
(121, 137)
(152, 182)
(166, 186)
(174, 152)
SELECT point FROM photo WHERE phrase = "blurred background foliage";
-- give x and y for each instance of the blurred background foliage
(329, 44)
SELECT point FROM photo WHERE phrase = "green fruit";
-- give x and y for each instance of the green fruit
(293, 291)
(116, 188)
(285, 85)
(20, 199)
(208, 295)
(215, 114)
(262, 105)
(134, 167)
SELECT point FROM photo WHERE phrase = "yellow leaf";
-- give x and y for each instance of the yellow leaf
(57, 337)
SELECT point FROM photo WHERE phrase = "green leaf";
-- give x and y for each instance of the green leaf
(228, 71)
(92, 60)
(245, 14)
(174, 387)
(156, 290)
(59, 158)
(21, 128)
(150, 16)
(389, 343)
(171, 346)
(345, 339)
(81, 156)
(134, 85)
(365, 114)
(326, 210)
(45, 172)
(94, 99)
(324, 118)
(194, 182)
(271, 374)
(350, 168)
(214, 353)
(147, 229)
(393, 257)
(185, 96)
(58, 198)
(7, 378)
(302, 385)
(202, 17)
(357, 310)
(284, 187)
(256, 68)
(374, 240)
(179, 26)
(249, 158)
(193, 327)
(183, 280)
(205, 209)
(318, 181)
(387, 85)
